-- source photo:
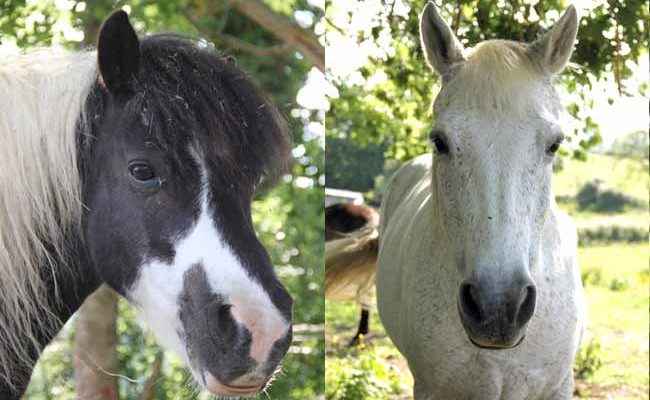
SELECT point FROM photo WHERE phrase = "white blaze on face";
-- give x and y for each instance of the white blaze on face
(159, 284)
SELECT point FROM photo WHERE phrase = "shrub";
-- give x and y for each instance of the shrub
(619, 284)
(564, 199)
(591, 276)
(609, 234)
(361, 376)
(594, 197)
(588, 360)
(588, 195)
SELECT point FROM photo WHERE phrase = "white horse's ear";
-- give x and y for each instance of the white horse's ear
(441, 47)
(555, 47)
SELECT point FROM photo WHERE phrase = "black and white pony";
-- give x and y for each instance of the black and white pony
(346, 280)
(135, 166)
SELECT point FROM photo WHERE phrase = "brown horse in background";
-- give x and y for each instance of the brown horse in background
(351, 281)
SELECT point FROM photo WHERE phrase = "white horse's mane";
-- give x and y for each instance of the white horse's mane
(496, 77)
(42, 96)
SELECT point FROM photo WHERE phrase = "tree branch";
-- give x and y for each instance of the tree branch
(236, 44)
(233, 43)
(333, 25)
(302, 40)
(95, 339)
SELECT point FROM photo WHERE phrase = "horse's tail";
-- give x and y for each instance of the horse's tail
(350, 266)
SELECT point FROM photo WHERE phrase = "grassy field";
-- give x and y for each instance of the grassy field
(616, 279)
(613, 363)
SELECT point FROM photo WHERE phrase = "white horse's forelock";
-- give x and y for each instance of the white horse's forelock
(42, 95)
(496, 77)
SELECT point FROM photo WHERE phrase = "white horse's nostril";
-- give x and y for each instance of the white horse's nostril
(469, 302)
(526, 307)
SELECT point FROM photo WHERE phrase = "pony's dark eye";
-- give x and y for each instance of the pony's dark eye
(440, 144)
(143, 173)
(552, 149)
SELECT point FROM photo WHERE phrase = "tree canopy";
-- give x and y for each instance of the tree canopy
(387, 100)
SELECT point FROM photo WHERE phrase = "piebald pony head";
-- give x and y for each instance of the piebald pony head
(148, 152)
(495, 137)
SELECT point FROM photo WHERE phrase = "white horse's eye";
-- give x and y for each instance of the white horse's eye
(440, 144)
(554, 148)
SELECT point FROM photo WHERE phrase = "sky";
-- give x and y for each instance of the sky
(627, 113)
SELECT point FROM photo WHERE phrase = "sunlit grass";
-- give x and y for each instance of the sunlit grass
(618, 319)
(625, 260)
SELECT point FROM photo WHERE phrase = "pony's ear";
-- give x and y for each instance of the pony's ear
(554, 48)
(441, 47)
(118, 53)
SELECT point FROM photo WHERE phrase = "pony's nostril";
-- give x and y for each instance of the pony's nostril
(526, 305)
(469, 302)
(221, 322)
(223, 311)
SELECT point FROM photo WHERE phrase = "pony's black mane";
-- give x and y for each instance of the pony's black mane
(187, 93)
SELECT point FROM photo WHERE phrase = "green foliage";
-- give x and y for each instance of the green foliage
(375, 195)
(619, 283)
(588, 360)
(373, 370)
(290, 222)
(388, 99)
(606, 234)
(354, 167)
(635, 146)
(53, 379)
(591, 276)
(363, 375)
(30, 23)
(594, 197)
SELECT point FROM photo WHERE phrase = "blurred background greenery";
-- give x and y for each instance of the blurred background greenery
(381, 117)
(278, 43)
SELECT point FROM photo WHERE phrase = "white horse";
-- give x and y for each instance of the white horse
(477, 280)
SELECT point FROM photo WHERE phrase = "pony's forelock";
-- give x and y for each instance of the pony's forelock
(191, 93)
(42, 95)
